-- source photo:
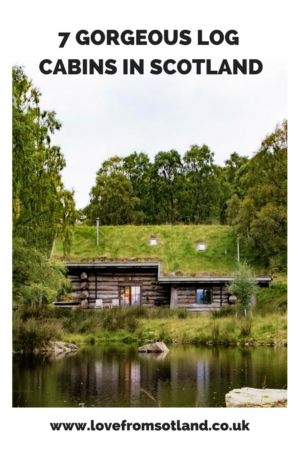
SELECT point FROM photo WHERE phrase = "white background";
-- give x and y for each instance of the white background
(267, 31)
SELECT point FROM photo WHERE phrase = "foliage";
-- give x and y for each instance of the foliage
(82, 325)
(192, 189)
(243, 286)
(272, 299)
(112, 198)
(33, 334)
(258, 209)
(248, 193)
(36, 278)
(42, 207)
(223, 312)
(203, 185)
(183, 314)
(246, 327)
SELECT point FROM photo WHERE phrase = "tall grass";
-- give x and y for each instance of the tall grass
(272, 300)
(224, 312)
(33, 334)
(34, 326)
(246, 326)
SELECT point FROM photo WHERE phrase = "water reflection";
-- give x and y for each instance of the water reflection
(117, 375)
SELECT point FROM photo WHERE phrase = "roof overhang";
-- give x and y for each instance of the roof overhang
(117, 265)
(209, 280)
(161, 280)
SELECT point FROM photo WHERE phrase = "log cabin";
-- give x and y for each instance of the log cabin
(141, 284)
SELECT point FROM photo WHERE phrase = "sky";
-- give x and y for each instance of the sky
(104, 116)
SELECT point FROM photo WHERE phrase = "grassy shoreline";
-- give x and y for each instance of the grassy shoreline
(35, 326)
(270, 330)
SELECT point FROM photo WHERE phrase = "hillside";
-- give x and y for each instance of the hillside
(176, 247)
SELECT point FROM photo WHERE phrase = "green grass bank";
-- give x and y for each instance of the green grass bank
(176, 247)
(34, 326)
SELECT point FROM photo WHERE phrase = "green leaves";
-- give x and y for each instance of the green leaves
(42, 207)
(258, 210)
(36, 278)
(112, 198)
(243, 286)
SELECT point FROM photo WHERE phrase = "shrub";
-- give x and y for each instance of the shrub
(183, 314)
(132, 324)
(272, 300)
(161, 334)
(161, 313)
(230, 327)
(267, 327)
(243, 286)
(246, 328)
(215, 331)
(35, 334)
(140, 333)
(138, 311)
(223, 312)
(92, 340)
(41, 312)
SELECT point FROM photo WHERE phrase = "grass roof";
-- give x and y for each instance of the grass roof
(176, 247)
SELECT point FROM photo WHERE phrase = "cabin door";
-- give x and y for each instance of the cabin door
(130, 295)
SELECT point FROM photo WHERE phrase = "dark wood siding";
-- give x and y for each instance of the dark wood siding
(187, 294)
(105, 283)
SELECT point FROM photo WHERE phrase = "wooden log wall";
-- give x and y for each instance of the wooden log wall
(187, 295)
(106, 285)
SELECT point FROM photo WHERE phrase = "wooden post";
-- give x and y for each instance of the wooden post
(174, 298)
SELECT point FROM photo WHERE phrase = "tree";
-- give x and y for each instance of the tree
(202, 185)
(112, 198)
(243, 286)
(168, 176)
(141, 173)
(42, 207)
(36, 278)
(259, 215)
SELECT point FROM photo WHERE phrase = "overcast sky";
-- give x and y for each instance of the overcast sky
(104, 116)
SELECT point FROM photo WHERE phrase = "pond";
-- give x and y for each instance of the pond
(116, 375)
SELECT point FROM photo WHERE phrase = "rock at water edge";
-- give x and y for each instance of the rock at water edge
(158, 347)
(260, 398)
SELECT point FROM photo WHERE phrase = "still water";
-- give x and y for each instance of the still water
(115, 374)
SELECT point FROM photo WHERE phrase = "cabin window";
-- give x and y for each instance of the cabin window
(203, 296)
(130, 295)
(201, 246)
(153, 241)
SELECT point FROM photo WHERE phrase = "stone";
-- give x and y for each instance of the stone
(157, 347)
(256, 398)
(73, 347)
(57, 348)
